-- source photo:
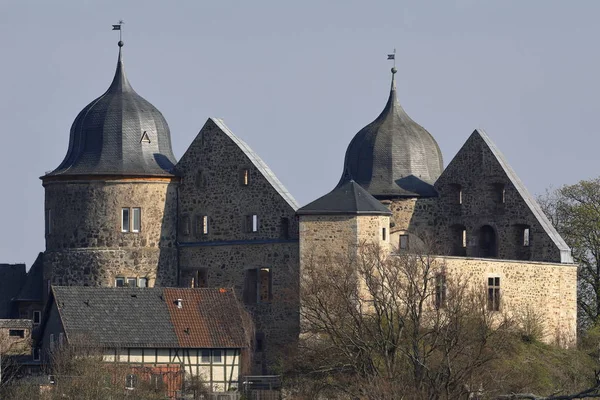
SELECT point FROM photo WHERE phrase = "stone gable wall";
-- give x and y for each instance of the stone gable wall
(477, 171)
(212, 185)
(86, 245)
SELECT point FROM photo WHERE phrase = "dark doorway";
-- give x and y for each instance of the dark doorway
(487, 242)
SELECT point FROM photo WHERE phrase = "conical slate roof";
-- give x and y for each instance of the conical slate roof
(119, 133)
(348, 198)
(394, 156)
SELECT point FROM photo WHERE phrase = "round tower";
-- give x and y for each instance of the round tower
(397, 161)
(111, 205)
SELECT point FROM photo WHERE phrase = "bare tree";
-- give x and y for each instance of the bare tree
(375, 326)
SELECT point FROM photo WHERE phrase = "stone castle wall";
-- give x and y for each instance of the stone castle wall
(547, 290)
(86, 244)
(224, 184)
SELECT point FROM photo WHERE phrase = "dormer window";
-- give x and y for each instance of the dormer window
(145, 138)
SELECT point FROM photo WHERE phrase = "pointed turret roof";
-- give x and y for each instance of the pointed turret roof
(394, 156)
(119, 133)
(348, 198)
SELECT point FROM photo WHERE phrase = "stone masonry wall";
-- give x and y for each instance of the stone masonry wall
(86, 245)
(549, 290)
(224, 183)
(480, 176)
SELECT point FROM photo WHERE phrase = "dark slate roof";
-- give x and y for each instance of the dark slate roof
(394, 156)
(565, 251)
(12, 277)
(107, 135)
(348, 198)
(147, 317)
(33, 288)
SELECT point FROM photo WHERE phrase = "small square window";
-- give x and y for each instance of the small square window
(125, 220)
(205, 356)
(37, 317)
(120, 282)
(217, 358)
(132, 282)
(403, 242)
(143, 282)
(137, 219)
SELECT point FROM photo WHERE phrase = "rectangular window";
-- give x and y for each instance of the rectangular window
(48, 222)
(205, 224)
(132, 282)
(61, 339)
(526, 237)
(200, 279)
(464, 238)
(37, 317)
(245, 175)
(265, 285)
(403, 242)
(460, 196)
(52, 342)
(258, 286)
(130, 381)
(184, 226)
(493, 297)
(217, 358)
(119, 282)
(205, 357)
(125, 220)
(36, 354)
(16, 333)
(285, 228)
(252, 223)
(137, 219)
(383, 234)
(440, 291)
(143, 282)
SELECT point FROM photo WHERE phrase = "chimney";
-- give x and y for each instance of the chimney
(179, 303)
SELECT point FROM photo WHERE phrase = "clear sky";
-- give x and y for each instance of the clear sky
(297, 79)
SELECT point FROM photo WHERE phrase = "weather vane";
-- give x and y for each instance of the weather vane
(392, 57)
(118, 28)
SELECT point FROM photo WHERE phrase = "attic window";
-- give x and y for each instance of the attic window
(499, 193)
(245, 177)
(120, 282)
(252, 223)
(526, 237)
(143, 282)
(145, 138)
(131, 282)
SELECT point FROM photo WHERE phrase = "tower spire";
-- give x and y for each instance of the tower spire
(394, 70)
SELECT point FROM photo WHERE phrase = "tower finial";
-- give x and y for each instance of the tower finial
(394, 70)
(119, 28)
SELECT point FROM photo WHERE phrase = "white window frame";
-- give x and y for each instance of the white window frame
(122, 278)
(133, 212)
(123, 219)
(129, 280)
(142, 279)
(204, 223)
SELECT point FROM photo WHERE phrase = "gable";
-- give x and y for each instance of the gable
(215, 126)
(480, 164)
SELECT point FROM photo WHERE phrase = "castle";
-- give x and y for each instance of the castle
(120, 210)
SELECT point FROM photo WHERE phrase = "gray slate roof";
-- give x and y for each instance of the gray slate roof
(16, 323)
(394, 156)
(348, 198)
(565, 251)
(106, 137)
(145, 317)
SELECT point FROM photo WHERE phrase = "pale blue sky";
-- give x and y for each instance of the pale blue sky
(297, 79)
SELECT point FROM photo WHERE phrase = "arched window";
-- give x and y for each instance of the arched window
(487, 242)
